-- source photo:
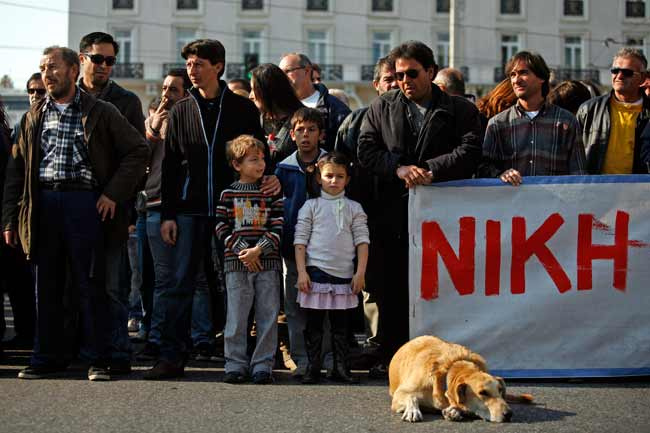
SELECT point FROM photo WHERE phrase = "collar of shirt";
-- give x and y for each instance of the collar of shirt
(103, 93)
(76, 101)
(522, 113)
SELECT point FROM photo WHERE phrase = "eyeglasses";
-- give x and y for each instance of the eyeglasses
(411, 73)
(38, 91)
(627, 73)
(286, 71)
(98, 59)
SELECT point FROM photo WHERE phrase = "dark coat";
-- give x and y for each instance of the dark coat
(118, 155)
(449, 144)
(334, 112)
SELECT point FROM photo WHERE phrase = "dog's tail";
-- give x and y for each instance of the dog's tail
(522, 398)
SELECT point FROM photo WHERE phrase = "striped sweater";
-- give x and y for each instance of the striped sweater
(247, 218)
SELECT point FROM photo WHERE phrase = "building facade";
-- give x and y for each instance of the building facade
(576, 37)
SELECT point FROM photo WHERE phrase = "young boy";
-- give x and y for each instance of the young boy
(250, 226)
(296, 175)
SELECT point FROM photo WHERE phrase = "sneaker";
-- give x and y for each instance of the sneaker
(96, 373)
(133, 325)
(234, 377)
(262, 378)
(204, 351)
(150, 352)
(120, 366)
(164, 370)
(39, 372)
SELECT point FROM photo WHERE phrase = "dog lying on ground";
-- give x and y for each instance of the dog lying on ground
(430, 373)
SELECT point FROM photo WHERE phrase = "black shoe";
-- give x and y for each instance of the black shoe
(204, 352)
(234, 377)
(120, 366)
(378, 371)
(164, 370)
(98, 373)
(40, 371)
(263, 378)
(150, 352)
(312, 375)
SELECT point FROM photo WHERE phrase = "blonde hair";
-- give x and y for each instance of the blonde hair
(237, 148)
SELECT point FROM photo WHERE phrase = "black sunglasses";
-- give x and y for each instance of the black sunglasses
(627, 73)
(98, 59)
(411, 73)
(39, 91)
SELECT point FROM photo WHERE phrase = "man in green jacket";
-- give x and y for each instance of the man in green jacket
(76, 158)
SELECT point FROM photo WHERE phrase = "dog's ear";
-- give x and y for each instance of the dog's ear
(458, 392)
(502, 386)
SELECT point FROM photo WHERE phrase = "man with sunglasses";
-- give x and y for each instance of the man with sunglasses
(411, 136)
(97, 54)
(612, 124)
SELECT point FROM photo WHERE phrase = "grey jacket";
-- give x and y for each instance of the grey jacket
(595, 122)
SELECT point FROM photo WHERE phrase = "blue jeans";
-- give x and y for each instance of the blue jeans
(117, 287)
(69, 229)
(246, 289)
(181, 288)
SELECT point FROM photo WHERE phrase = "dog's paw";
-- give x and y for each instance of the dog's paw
(451, 413)
(412, 414)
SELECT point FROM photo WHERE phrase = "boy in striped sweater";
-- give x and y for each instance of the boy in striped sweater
(249, 224)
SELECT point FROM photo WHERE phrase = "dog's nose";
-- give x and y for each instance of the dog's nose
(507, 415)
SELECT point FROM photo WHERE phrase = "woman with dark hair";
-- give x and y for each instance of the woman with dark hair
(569, 95)
(272, 93)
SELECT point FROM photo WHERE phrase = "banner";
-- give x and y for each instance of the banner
(548, 279)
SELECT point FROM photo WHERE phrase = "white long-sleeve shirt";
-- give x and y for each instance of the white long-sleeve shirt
(331, 227)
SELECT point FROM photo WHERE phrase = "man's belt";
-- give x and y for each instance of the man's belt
(66, 186)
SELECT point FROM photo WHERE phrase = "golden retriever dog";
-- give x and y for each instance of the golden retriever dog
(431, 373)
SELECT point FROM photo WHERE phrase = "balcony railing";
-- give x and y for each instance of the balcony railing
(331, 72)
(128, 70)
(574, 8)
(166, 67)
(635, 9)
(563, 74)
(249, 5)
(367, 72)
(499, 74)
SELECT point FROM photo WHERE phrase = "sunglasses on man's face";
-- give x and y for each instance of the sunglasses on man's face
(411, 73)
(627, 73)
(38, 91)
(98, 59)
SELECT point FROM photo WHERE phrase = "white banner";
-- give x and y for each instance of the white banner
(548, 279)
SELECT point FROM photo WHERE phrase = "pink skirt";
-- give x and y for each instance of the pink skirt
(325, 296)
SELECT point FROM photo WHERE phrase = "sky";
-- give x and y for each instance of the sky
(26, 27)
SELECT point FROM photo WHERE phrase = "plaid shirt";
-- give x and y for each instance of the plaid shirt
(550, 144)
(64, 147)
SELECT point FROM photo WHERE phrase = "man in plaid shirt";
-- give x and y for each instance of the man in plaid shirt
(533, 137)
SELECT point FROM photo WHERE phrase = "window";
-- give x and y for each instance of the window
(187, 4)
(634, 42)
(317, 5)
(317, 46)
(574, 8)
(442, 6)
(382, 5)
(509, 47)
(510, 7)
(635, 8)
(249, 5)
(125, 42)
(123, 4)
(183, 37)
(252, 42)
(573, 52)
(381, 45)
(442, 50)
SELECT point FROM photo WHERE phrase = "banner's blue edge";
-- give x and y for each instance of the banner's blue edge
(572, 373)
(548, 180)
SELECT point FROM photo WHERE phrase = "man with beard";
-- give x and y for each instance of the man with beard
(75, 160)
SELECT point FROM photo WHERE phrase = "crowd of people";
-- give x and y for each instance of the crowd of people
(235, 203)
